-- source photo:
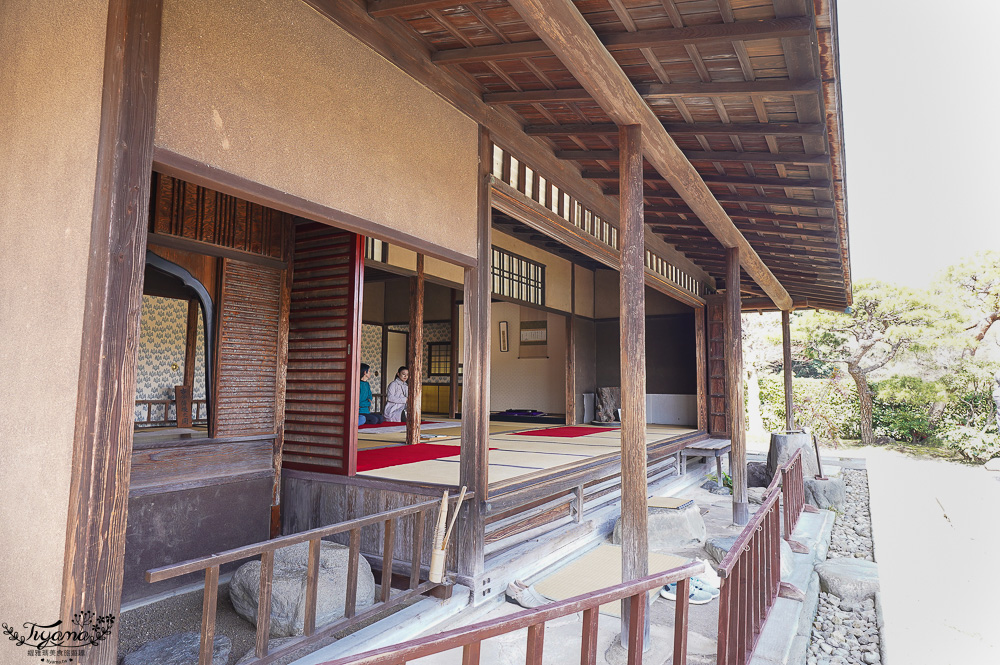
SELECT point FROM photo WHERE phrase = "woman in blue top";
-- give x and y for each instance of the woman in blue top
(365, 415)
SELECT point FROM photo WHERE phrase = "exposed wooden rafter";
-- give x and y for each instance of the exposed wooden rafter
(655, 91)
(707, 155)
(696, 129)
(695, 35)
(567, 33)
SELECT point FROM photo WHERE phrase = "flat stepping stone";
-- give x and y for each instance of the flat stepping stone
(827, 494)
(179, 649)
(848, 578)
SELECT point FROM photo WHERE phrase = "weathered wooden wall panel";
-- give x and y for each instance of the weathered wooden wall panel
(717, 408)
(247, 358)
(324, 326)
(198, 213)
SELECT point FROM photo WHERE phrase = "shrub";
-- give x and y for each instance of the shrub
(827, 406)
(973, 444)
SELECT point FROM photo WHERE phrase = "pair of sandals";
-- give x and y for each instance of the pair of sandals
(700, 591)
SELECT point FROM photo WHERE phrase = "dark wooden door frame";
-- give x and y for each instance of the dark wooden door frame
(102, 439)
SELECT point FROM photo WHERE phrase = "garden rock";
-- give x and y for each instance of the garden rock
(179, 649)
(718, 548)
(784, 445)
(993, 464)
(288, 590)
(827, 494)
(848, 578)
(670, 529)
(272, 646)
(757, 475)
(756, 494)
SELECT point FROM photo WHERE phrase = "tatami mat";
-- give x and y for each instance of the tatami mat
(599, 568)
(555, 448)
(442, 472)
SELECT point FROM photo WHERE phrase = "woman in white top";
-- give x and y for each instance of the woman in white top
(395, 396)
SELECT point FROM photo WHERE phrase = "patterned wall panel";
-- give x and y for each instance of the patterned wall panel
(162, 341)
(433, 332)
(371, 353)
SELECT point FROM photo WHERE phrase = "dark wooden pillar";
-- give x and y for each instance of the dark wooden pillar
(474, 465)
(416, 353)
(734, 386)
(453, 374)
(184, 393)
(786, 354)
(571, 351)
(102, 441)
(701, 366)
(635, 545)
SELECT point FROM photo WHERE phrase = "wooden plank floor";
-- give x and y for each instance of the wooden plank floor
(511, 454)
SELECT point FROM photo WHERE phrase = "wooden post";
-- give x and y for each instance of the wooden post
(635, 545)
(734, 387)
(102, 440)
(281, 380)
(453, 375)
(473, 469)
(191, 343)
(701, 366)
(786, 353)
(571, 351)
(416, 353)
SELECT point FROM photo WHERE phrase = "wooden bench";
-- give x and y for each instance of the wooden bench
(711, 448)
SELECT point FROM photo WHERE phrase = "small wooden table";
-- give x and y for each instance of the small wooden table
(712, 448)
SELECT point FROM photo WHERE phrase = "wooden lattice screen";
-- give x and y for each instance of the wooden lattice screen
(247, 360)
(321, 399)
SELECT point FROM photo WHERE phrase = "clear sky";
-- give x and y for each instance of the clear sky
(920, 97)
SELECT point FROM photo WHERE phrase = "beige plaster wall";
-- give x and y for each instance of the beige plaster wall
(273, 92)
(557, 270)
(584, 291)
(52, 57)
(527, 383)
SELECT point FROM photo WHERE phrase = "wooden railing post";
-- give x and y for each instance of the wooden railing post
(312, 583)
(588, 649)
(418, 548)
(264, 602)
(353, 552)
(536, 639)
(388, 544)
(208, 605)
(681, 622)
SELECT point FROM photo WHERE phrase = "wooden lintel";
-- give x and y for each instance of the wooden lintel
(687, 129)
(689, 36)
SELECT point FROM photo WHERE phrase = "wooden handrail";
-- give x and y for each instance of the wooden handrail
(470, 637)
(751, 580)
(792, 491)
(387, 519)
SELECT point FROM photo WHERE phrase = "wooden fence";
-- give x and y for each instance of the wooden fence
(265, 550)
(199, 412)
(470, 638)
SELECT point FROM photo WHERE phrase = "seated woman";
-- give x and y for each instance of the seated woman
(395, 396)
(365, 400)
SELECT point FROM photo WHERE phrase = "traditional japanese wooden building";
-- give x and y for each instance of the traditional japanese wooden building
(216, 211)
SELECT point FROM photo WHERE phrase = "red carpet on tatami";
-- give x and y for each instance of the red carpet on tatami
(396, 424)
(380, 458)
(568, 432)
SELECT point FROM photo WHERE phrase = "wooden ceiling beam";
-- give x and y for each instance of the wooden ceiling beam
(661, 91)
(686, 129)
(726, 197)
(564, 29)
(817, 222)
(745, 181)
(383, 8)
(707, 155)
(800, 26)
